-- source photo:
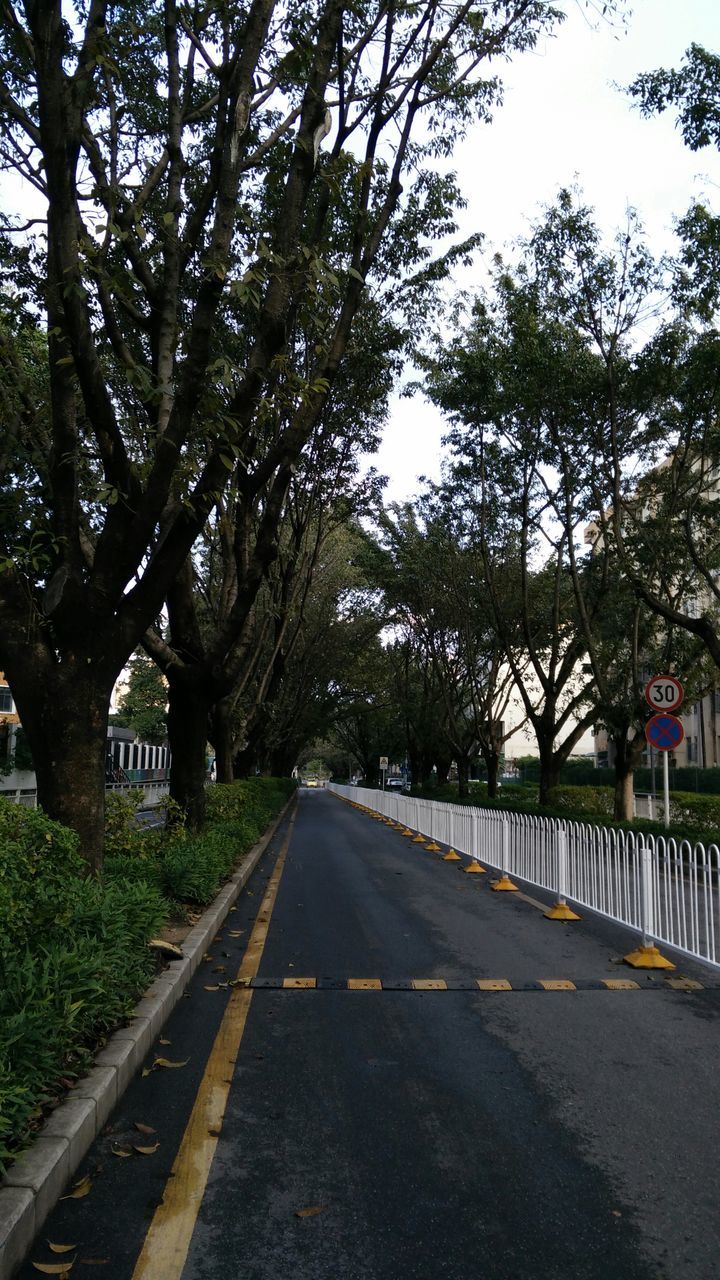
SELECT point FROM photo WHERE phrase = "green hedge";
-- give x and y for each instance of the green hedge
(73, 952)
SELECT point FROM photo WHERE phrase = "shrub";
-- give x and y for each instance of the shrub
(64, 989)
(39, 863)
(73, 951)
(580, 800)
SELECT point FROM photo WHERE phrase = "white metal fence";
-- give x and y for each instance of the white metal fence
(146, 793)
(668, 890)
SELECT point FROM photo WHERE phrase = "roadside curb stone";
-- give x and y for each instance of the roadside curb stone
(37, 1179)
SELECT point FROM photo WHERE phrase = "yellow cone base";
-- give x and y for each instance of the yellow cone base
(418, 839)
(452, 856)
(504, 885)
(432, 847)
(407, 832)
(647, 958)
(561, 911)
(474, 869)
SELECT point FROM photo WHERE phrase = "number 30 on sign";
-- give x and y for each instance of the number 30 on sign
(664, 693)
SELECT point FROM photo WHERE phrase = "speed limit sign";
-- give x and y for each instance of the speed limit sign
(664, 693)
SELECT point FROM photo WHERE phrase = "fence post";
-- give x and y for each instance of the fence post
(473, 867)
(647, 955)
(560, 909)
(504, 884)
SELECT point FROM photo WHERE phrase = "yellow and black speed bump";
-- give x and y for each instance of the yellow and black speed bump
(373, 983)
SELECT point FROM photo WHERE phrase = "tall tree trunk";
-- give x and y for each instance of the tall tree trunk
(463, 767)
(550, 766)
(442, 764)
(189, 705)
(492, 764)
(221, 736)
(64, 712)
(628, 753)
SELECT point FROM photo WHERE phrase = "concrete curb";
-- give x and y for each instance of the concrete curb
(38, 1178)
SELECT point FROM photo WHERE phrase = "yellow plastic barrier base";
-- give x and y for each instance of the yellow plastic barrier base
(504, 885)
(418, 839)
(452, 856)
(433, 847)
(474, 869)
(407, 832)
(647, 958)
(561, 911)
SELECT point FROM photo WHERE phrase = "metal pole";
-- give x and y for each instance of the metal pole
(666, 786)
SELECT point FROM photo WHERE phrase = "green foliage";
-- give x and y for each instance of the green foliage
(73, 951)
(39, 865)
(68, 985)
(144, 703)
(701, 813)
(580, 800)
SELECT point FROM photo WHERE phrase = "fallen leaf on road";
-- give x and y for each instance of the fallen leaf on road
(165, 1062)
(616, 1213)
(219, 968)
(146, 1151)
(124, 1151)
(215, 988)
(207, 956)
(79, 1189)
(235, 933)
(310, 1211)
(54, 1268)
(144, 1128)
(61, 1248)
(161, 1041)
(94, 1262)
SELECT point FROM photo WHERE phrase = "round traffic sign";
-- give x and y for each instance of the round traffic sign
(664, 693)
(664, 732)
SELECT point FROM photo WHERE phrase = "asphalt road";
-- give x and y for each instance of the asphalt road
(453, 1134)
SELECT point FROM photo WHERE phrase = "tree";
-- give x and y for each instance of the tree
(435, 584)
(176, 156)
(144, 702)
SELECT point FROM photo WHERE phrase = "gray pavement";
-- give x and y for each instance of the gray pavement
(459, 1133)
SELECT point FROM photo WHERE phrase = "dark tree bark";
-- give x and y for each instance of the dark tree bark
(492, 764)
(628, 753)
(65, 718)
(463, 767)
(189, 706)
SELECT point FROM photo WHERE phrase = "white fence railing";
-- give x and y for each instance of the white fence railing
(668, 890)
(148, 793)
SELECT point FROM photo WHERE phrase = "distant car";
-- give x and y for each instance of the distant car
(395, 784)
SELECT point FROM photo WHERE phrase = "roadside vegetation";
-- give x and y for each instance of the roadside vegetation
(74, 954)
(693, 816)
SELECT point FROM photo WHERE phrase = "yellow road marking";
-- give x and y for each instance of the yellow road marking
(684, 984)
(307, 984)
(364, 984)
(620, 984)
(166, 1245)
(557, 984)
(493, 984)
(429, 984)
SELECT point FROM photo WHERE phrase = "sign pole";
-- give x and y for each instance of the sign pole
(666, 786)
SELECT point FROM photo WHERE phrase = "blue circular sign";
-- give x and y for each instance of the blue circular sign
(664, 732)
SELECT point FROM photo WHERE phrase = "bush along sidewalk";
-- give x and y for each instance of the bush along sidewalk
(73, 952)
(693, 817)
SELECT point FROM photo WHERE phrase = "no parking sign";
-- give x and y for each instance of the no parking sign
(664, 732)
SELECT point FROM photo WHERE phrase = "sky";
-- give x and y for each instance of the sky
(565, 120)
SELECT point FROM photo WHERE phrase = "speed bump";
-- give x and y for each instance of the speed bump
(429, 984)
(494, 984)
(557, 984)
(364, 984)
(295, 984)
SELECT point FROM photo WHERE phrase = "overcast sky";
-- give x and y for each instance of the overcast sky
(564, 121)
